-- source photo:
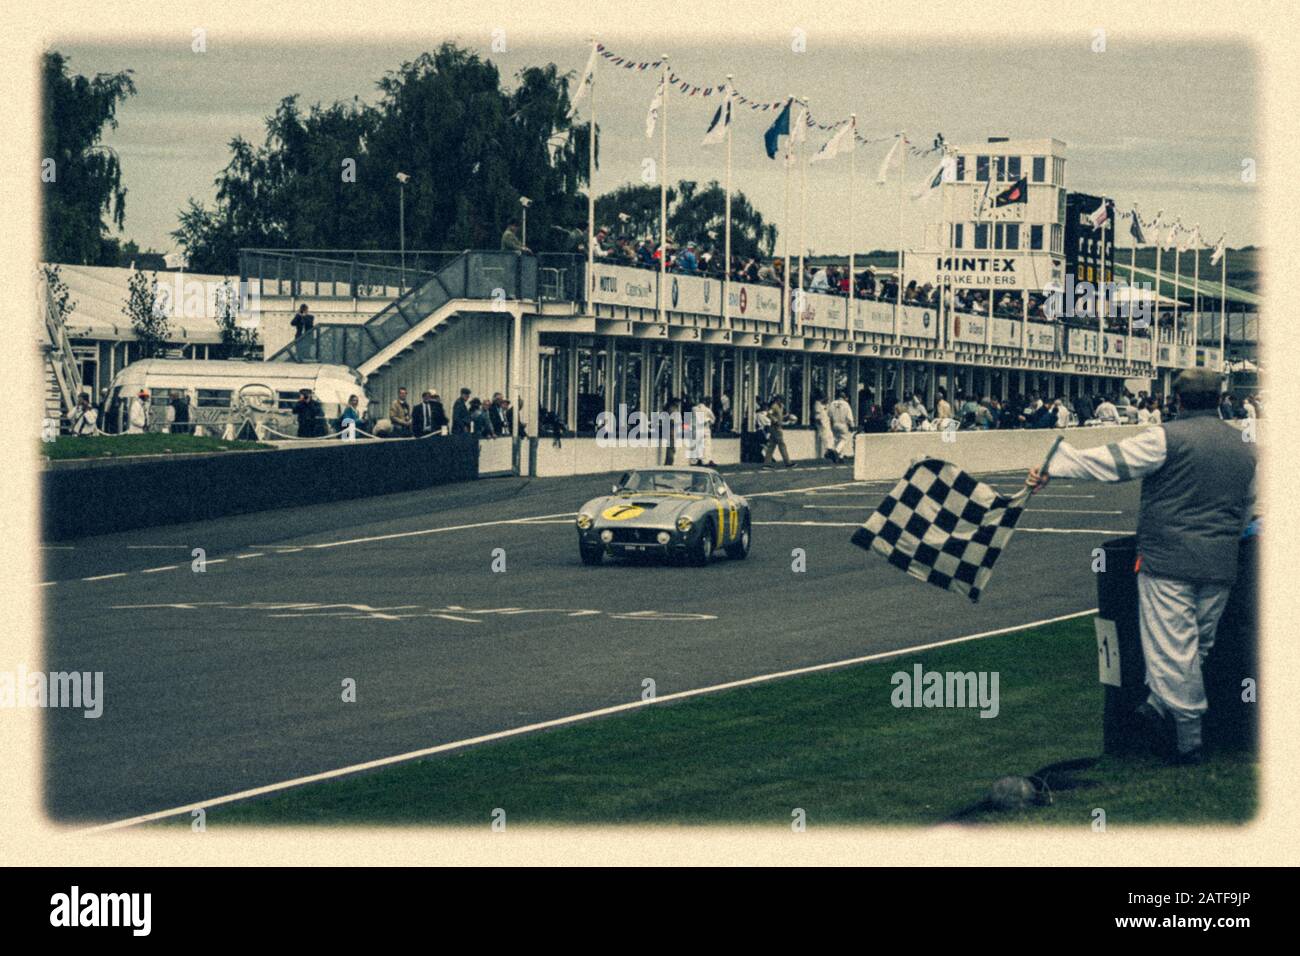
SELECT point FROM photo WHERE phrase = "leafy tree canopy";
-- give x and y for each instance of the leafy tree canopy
(327, 177)
(81, 177)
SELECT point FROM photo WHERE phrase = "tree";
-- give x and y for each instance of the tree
(60, 294)
(148, 319)
(82, 178)
(326, 177)
(239, 342)
(694, 214)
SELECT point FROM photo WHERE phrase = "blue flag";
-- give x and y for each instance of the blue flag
(772, 138)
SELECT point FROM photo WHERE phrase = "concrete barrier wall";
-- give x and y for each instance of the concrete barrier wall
(888, 455)
(583, 456)
(88, 498)
(495, 456)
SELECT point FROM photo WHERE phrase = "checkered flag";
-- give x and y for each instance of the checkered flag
(941, 525)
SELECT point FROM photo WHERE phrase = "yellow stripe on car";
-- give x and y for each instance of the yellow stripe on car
(722, 526)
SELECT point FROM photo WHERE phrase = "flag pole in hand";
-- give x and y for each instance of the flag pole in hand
(1051, 453)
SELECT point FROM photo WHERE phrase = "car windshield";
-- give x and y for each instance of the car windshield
(646, 481)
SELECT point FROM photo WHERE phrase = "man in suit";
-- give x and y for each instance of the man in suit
(429, 417)
(497, 414)
(460, 424)
(399, 414)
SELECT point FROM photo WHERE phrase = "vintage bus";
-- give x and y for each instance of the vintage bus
(227, 398)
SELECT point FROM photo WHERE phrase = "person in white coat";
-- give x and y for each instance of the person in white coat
(840, 414)
(703, 420)
(138, 414)
(822, 423)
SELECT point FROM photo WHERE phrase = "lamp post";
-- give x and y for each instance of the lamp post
(402, 179)
(523, 227)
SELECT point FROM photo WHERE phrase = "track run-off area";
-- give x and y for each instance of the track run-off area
(230, 681)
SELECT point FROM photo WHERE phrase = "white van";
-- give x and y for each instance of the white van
(219, 398)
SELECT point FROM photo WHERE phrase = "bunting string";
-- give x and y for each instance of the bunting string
(687, 88)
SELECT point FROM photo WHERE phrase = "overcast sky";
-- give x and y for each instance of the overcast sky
(1162, 126)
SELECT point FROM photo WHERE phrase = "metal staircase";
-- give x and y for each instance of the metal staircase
(370, 345)
(62, 374)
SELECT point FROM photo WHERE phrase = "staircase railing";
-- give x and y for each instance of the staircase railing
(488, 276)
(59, 353)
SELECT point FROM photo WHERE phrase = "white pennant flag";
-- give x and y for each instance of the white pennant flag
(798, 133)
(841, 142)
(944, 172)
(1193, 239)
(717, 132)
(588, 77)
(889, 159)
(1171, 233)
(1099, 215)
(1218, 250)
(799, 130)
(652, 117)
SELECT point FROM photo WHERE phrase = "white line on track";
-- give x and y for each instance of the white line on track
(165, 567)
(858, 524)
(105, 577)
(1073, 511)
(562, 721)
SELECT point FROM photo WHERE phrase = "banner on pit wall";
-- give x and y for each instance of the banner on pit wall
(1085, 341)
(623, 285)
(1040, 337)
(761, 302)
(1176, 356)
(821, 310)
(1139, 349)
(878, 318)
(694, 294)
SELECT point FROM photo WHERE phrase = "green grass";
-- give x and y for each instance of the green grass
(69, 447)
(829, 743)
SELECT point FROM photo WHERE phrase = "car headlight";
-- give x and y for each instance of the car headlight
(663, 537)
(684, 524)
(584, 521)
(607, 536)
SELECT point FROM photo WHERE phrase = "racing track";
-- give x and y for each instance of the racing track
(229, 679)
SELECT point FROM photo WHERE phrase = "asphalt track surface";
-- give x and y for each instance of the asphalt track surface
(230, 679)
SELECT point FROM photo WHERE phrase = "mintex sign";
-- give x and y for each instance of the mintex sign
(982, 270)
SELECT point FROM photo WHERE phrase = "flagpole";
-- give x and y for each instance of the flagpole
(902, 180)
(1155, 342)
(785, 236)
(1178, 289)
(1099, 303)
(1196, 291)
(591, 185)
(1132, 281)
(803, 196)
(726, 206)
(663, 191)
(850, 309)
(1223, 307)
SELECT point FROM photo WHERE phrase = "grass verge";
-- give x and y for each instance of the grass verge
(831, 744)
(69, 447)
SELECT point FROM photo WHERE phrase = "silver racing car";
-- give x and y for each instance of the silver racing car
(683, 514)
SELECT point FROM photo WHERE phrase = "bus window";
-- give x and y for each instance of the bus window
(214, 398)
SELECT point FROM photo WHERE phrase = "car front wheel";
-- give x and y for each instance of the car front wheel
(740, 549)
(702, 550)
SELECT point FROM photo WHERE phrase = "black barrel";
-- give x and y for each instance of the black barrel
(1119, 646)
(1232, 669)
